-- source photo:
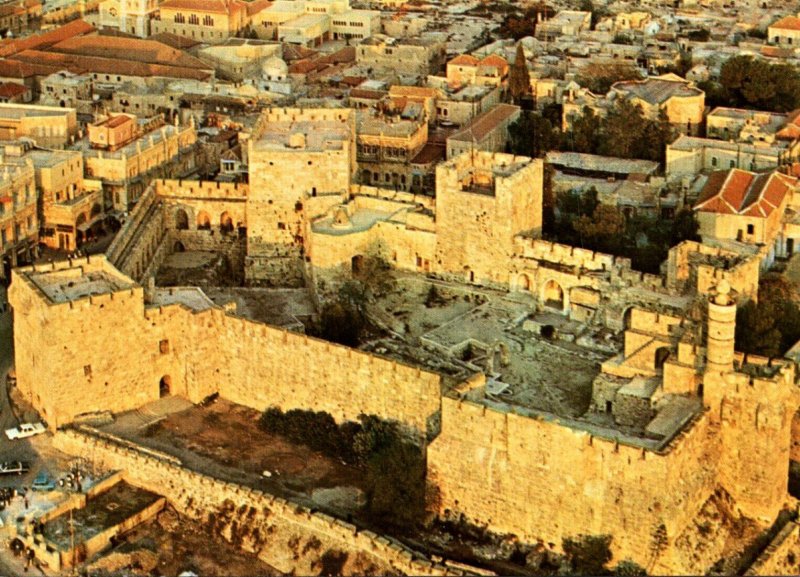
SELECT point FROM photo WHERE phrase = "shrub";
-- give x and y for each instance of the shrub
(588, 554)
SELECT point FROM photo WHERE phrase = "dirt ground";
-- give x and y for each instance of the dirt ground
(280, 307)
(228, 434)
(181, 545)
(196, 268)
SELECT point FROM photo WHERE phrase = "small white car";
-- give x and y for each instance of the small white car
(25, 430)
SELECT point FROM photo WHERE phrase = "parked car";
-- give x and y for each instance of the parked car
(14, 467)
(25, 430)
(43, 482)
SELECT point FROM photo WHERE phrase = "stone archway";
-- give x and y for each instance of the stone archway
(165, 386)
(524, 283)
(661, 356)
(225, 222)
(181, 219)
(553, 296)
(203, 220)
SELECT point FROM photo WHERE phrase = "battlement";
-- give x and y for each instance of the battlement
(653, 322)
(567, 255)
(79, 283)
(393, 195)
(196, 495)
(198, 190)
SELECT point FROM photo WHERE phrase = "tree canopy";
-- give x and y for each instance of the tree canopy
(625, 133)
(747, 82)
(519, 79)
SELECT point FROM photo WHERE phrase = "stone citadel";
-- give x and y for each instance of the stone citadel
(677, 423)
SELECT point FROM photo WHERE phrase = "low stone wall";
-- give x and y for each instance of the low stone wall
(283, 534)
(782, 556)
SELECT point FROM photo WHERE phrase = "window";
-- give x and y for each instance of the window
(87, 370)
(208, 20)
(281, 226)
(163, 346)
(732, 163)
(193, 19)
(750, 229)
(714, 161)
(179, 18)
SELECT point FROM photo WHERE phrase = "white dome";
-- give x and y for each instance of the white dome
(273, 67)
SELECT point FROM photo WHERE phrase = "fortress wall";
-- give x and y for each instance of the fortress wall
(184, 190)
(273, 528)
(290, 370)
(394, 195)
(105, 353)
(528, 248)
(396, 243)
(500, 469)
(782, 556)
(88, 355)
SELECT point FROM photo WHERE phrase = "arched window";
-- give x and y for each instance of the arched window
(225, 222)
(203, 220)
(181, 219)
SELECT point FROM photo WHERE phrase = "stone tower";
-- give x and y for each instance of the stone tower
(721, 330)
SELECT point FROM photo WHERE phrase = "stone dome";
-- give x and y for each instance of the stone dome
(274, 68)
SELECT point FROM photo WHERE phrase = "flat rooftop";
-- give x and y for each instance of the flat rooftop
(317, 136)
(102, 512)
(74, 283)
(191, 297)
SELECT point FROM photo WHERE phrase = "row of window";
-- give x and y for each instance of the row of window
(345, 23)
(194, 19)
(731, 163)
(5, 234)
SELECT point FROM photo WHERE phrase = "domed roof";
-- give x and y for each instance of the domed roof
(274, 67)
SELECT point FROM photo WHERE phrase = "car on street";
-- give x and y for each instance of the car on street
(43, 482)
(25, 430)
(14, 467)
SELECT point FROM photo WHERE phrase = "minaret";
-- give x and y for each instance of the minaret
(721, 330)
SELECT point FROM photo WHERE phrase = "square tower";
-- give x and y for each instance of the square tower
(483, 201)
(301, 163)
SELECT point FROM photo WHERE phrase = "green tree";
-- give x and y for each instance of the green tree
(684, 227)
(599, 76)
(623, 130)
(531, 135)
(519, 79)
(588, 554)
(585, 133)
(548, 201)
(602, 231)
(771, 326)
(753, 83)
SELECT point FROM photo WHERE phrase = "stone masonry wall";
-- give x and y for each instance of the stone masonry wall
(275, 529)
(782, 556)
(105, 353)
(499, 469)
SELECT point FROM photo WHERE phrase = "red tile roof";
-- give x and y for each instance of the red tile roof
(494, 60)
(74, 28)
(11, 89)
(787, 23)
(745, 193)
(464, 60)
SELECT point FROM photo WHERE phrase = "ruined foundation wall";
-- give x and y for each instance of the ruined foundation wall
(275, 529)
(499, 469)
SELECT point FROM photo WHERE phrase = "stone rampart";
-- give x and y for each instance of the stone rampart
(275, 529)
(82, 365)
(499, 469)
(201, 190)
(782, 555)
